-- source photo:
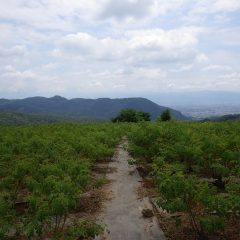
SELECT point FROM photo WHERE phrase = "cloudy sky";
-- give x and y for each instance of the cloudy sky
(95, 48)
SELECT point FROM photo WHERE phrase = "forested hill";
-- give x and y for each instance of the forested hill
(229, 117)
(99, 109)
(10, 118)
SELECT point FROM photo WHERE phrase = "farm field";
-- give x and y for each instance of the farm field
(44, 171)
(194, 170)
(120, 120)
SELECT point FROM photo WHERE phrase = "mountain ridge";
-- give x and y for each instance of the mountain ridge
(99, 109)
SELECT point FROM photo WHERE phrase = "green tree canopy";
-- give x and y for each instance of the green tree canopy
(165, 116)
(143, 116)
(130, 115)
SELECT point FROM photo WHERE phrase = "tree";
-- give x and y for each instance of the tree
(126, 115)
(165, 116)
(130, 115)
(143, 116)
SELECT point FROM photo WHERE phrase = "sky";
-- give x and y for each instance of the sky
(107, 48)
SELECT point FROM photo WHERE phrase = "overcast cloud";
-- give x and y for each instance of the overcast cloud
(79, 48)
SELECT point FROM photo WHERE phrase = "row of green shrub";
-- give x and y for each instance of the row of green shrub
(44, 170)
(196, 169)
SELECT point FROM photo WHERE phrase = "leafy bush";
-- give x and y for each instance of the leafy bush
(195, 167)
(165, 116)
(44, 171)
(130, 115)
(82, 230)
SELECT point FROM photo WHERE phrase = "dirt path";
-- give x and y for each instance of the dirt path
(122, 214)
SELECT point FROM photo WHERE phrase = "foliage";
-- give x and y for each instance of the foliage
(143, 116)
(195, 167)
(44, 171)
(165, 116)
(82, 230)
(19, 119)
(130, 115)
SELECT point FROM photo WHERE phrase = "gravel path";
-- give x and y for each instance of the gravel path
(122, 214)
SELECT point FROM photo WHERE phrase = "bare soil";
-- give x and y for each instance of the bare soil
(122, 215)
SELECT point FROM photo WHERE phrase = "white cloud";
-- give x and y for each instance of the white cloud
(183, 68)
(166, 40)
(226, 5)
(8, 68)
(83, 45)
(15, 81)
(139, 10)
(65, 14)
(229, 36)
(97, 84)
(50, 66)
(136, 47)
(211, 11)
(15, 51)
(214, 67)
(232, 76)
(120, 86)
(215, 6)
(202, 58)
(9, 72)
(97, 45)
(221, 18)
(50, 14)
(126, 9)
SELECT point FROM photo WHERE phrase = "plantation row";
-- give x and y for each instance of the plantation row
(196, 168)
(44, 170)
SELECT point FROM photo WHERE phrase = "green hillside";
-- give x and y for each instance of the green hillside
(17, 119)
(99, 109)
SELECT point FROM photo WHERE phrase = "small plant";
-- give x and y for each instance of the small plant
(125, 147)
(83, 230)
(131, 161)
(99, 182)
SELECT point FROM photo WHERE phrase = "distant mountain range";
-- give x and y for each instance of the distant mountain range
(101, 109)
